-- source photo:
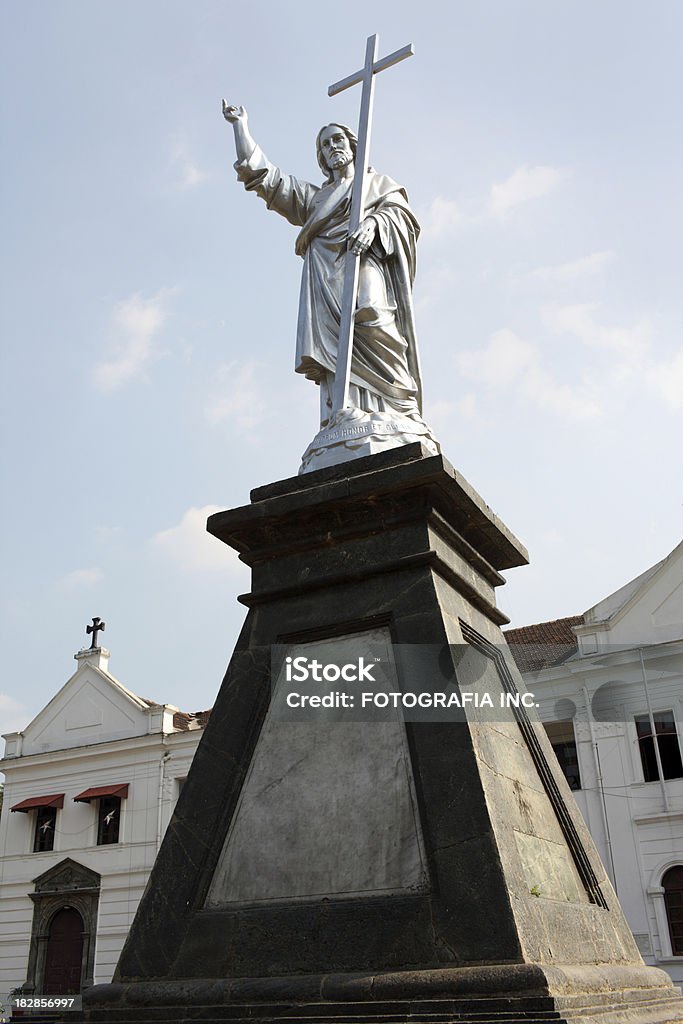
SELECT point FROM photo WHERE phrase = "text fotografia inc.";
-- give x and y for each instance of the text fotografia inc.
(408, 699)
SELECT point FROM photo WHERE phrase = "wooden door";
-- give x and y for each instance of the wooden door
(64, 954)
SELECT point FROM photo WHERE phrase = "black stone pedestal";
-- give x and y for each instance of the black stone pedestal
(348, 871)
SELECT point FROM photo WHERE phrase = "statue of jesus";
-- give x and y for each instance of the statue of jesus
(385, 379)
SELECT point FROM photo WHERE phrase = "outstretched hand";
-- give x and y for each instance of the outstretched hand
(363, 237)
(233, 114)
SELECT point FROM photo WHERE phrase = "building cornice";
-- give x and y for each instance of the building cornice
(101, 748)
(590, 664)
(660, 817)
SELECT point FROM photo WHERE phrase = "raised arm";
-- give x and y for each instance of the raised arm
(287, 195)
(237, 117)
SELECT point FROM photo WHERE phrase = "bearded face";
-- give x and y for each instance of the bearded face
(335, 147)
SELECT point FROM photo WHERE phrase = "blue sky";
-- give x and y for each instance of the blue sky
(149, 303)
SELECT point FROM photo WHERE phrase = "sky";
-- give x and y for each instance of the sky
(149, 304)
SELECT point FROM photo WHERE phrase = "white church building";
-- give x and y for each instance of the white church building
(90, 786)
(91, 783)
(610, 688)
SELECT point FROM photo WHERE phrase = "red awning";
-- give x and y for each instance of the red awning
(96, 792)
(56, 800)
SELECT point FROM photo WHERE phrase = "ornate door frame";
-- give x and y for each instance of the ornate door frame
(67, 884)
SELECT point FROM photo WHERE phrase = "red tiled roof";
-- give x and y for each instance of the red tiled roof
(183, 720)
(543, 644)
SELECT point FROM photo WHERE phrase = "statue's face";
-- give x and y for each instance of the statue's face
(335, 147)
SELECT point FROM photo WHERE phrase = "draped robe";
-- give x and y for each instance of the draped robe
(385, 373)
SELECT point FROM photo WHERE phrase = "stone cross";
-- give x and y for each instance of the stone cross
(366, 75)
(97, 627)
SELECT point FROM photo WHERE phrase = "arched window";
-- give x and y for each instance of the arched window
(672, 883)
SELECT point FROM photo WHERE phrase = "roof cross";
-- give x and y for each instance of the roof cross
(366, 75)
(97, 627)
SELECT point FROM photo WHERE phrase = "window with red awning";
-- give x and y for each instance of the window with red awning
(55, 800)
(98, 792)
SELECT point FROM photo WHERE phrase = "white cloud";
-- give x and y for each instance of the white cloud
(595, 263)
(433, 283)
(526, 183)
(508, 361)
(467, 407)
(540, 387)
(83, 577)
(191, 547)
(630, 350)
(189, 174)
(501, 362)
(631, 344)
(442, 218)
(666, 380)
(136, 322)
(14, 716)
(446, 417)
(238, 395)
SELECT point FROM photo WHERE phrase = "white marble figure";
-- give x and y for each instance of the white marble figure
(385, 395)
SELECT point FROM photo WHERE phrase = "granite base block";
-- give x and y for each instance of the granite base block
(483, 898)
(496, 993)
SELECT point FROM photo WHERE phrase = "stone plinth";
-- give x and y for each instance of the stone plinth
(460, 884)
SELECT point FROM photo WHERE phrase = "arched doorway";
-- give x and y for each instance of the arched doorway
(64, 954)
(672, 883)
(65, 886)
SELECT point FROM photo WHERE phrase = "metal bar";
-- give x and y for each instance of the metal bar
(346, 83)
(340, 395)
(380, 65)
(393, 58)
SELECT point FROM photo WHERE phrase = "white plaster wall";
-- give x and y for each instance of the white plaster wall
(638, 849)
(124, 866)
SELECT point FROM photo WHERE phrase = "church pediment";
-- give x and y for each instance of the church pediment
(656, 613)
(67, 876)
(648, 610)
(669, 612)
(92, 707)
